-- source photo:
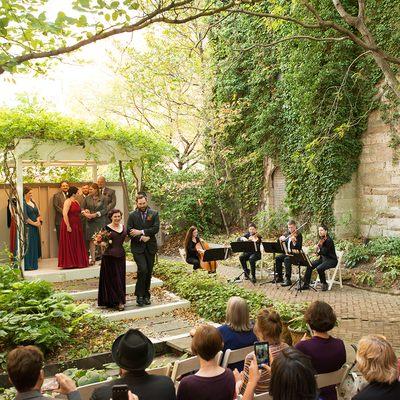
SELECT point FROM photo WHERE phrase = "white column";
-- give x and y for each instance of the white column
(94, 173)
(20, 192)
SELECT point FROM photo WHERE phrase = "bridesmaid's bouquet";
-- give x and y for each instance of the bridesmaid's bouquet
(102, 238)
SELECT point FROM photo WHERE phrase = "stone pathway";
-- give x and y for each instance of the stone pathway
(360, 312)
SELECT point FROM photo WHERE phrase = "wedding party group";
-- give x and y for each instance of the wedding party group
(90, 228)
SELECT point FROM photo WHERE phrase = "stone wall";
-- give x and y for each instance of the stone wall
(372, 198)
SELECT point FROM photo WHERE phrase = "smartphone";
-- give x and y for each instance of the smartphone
(120, 392)
(261, 351)
(50, 384)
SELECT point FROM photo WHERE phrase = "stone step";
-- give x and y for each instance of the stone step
(50, 273)
(134, 311)
(92, 294)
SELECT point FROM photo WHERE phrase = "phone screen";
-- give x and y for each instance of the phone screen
(261, 351)
(120, 392)
(50, 384)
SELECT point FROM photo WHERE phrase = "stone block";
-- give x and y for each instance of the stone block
(388, 232)
(393, 224)
(393, 201)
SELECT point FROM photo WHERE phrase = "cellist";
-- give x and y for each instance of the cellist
(254, 236)
(195, 247)
(325, 249)
(191, 253)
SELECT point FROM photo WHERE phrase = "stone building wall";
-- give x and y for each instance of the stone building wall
(369, 205)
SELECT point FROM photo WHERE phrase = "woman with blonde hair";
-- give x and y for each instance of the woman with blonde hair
(377, 362)
(237, 331)
(268, 328)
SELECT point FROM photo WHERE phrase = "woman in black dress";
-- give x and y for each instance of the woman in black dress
(112, 282)
(192, 254)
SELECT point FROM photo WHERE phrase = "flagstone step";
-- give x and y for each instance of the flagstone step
(48, 271)
(134, 311)
(92, 293)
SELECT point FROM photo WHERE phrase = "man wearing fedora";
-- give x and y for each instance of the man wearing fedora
(133, 352)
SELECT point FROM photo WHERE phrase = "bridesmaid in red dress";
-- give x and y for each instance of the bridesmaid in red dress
(72, 251)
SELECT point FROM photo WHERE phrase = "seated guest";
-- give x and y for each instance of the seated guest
(253, 256)
(133, 352)
(268, 328)
(327, 353)
(237, 331)
(377, 362)
(191, 240)
(325, 249)
(292, 377)
(25, 371)
(211, 381)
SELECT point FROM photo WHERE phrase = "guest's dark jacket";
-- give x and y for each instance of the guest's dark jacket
(328, 249)
(150, 227)
(145, 386)
(110, 199)
(36, 395)
(58, 204)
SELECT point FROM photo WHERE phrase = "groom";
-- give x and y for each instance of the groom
(143, 225)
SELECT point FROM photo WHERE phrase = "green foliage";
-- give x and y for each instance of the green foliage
(356, 253)
(390, 266)
(84, 377)
(302, 103)
(32, 313)
(209, 295)
(366, 278)
(186, 198)
(271, 222)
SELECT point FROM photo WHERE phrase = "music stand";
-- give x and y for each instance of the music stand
(217, 253)
(273, 248)
(244, 247)
(300, 259)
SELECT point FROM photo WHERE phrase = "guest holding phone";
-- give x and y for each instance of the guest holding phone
(268, 328)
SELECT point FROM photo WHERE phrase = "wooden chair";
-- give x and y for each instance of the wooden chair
(234, 356)
(332, 378)
(165, 371)
(87, 390)
(182, 367)
(331, 280)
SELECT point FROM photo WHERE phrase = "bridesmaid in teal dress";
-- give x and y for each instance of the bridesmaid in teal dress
(33, 220)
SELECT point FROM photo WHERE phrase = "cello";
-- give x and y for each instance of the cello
(210, 266)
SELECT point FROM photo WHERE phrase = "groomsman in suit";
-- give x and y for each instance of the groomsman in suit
(58, 204)
(143, 225)
(110, 199)
(83, 193)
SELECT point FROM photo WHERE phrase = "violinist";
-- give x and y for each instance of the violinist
(325, 249)
(293, 240)
(254, 236)
(191, 253)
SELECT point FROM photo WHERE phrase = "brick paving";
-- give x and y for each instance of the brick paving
(360, 312)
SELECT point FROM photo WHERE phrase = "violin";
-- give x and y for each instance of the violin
(210, 266)
(321, 243)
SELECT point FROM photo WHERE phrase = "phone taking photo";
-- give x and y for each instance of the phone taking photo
(261, 351)
(120, 392)
(50, 384)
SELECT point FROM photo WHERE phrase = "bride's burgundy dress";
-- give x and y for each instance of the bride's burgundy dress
(72, 252)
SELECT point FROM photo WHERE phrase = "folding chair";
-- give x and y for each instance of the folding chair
(331, 280)
(234, 356)
(332, 378)
(166, 370)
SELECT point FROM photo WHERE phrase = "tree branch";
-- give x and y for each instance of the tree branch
(151, 18)
(344, 14)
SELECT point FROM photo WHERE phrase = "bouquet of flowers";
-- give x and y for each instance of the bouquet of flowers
(102, 238)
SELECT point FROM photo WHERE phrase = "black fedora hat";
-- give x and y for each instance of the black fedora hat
(133, 351)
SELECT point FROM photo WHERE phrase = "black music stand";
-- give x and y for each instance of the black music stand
(244, 247)
(217, 253)
(273, 248)
(300, 259)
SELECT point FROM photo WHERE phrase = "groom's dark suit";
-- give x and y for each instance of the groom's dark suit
(144, 252)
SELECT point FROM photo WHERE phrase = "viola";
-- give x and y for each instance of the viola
(210, 266)
(322, 241)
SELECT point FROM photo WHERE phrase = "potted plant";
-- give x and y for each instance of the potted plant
(297, 328)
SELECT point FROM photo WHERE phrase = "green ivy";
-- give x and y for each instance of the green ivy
(304, 104)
